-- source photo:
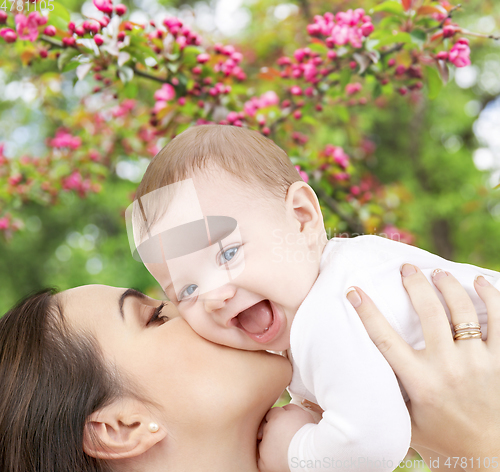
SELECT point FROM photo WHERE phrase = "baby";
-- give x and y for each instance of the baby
(236, 239)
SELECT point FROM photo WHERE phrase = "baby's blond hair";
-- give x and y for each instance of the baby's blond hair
(246, 154)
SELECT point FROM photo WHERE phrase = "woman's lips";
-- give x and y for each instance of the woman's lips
(259, 322)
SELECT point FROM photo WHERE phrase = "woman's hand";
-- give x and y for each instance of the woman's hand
(454, 386)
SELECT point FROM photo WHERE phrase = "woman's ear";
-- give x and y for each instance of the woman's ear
(302, 203)
(121, 430)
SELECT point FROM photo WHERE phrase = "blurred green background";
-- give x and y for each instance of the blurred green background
(444, 154)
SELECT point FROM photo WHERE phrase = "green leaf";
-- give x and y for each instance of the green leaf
(377, 90)
(130, 90)
(342, 113)
(59, 11)
(395, 38)
(319, 48)
(309, 120)
(173, 67)
(418, 37)
(419, 34)
(345, 77)
(58, 22)
(389, 7)
(434, 82)
(136, 53)
(65, 57)
(191, 50)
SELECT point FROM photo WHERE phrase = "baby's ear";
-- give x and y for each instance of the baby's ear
(121, 430)
(303, 205)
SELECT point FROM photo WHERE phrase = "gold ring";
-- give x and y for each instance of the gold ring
(467, 335)
(460, 326)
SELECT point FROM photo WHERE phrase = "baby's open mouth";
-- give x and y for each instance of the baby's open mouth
(258, 322)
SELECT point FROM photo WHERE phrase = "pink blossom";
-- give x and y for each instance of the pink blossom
(295, 90)
(367, 29)
(106, 6)
(346, 27)
(284, 61)
(4, 223)
(50, 30)
(350, 17)
(341, 176)
(302, 174)
(299, 55)
(251, 106)
(202, 58)
(159, 105)
(338, 154)
(166, 93)
(449, 31)
(99, 40)
(120, 9)
(268, 99)
(125, 107)
(73, 182)
(459, 54)
(355, 190)
(351, 89)
(8, 35)
(172, 22)
(396, 234)
(64, 139)
(15, 179)
(237, 57)
(94, 155)
(27, 26)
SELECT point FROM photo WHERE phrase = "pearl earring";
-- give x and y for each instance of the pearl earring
(153, 427)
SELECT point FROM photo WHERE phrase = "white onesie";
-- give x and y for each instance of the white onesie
(365, 425)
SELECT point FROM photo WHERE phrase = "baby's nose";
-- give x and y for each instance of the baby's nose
(217, 299)
(213, 304)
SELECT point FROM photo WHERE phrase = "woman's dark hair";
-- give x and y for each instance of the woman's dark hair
(51, 380)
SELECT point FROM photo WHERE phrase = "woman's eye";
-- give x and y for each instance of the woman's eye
(156, 316)
(188, 291)
(228, 254)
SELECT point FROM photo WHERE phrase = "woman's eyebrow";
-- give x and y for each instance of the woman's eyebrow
(130, 292)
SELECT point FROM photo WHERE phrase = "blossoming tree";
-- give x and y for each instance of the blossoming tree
(149, 81)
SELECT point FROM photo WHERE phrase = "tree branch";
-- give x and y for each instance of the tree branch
(49, 40)
(481, 35)
(306, 8)
(149, 76)
(395, 48)
(450, 14)
(353, 223)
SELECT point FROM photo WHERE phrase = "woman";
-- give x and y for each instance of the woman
(454, 386)
(95, 379)
(122, 375)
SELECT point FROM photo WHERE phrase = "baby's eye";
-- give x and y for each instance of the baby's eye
(228, 254)
(188, 291)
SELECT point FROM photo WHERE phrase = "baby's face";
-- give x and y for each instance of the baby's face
(245, 291)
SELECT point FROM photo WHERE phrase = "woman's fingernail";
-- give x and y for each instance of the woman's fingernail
(481, 281)
(407, 269)
(439, 274)
(353, 297)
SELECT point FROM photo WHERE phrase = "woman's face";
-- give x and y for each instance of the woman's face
(190, 378)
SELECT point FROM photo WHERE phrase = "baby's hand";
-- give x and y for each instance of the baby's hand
(278, 429)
